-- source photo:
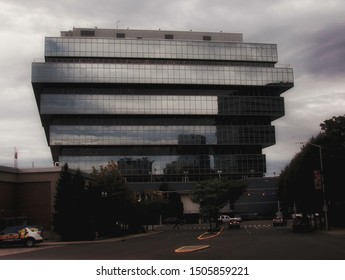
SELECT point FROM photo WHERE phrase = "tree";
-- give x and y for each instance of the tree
(110, 181)
(296, 183)
(72, 218)
(212, 195)
(172, 206)
(333, 131)
(115, 199)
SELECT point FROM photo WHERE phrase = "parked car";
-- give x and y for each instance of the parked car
(26, 235)
(234, 223)
(279, 222)
(223, 219)
(238, 218)
(293, 216)
(302, 224)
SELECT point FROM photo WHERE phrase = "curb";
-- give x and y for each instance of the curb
(105, 240)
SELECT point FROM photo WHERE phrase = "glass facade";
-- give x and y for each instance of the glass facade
(164, 109)
(160, 105)
(159, 74)
(159, 49)
(166, 168)
(161, 135)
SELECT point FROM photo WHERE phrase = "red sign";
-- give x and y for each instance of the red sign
(317, 180)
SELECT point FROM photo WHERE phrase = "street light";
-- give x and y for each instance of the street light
(219, 173)
(322, 181)
(185, 178)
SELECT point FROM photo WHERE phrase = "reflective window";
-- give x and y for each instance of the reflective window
(174, 49)
(161, 135)
(160, 74)
(158, 104)
(169, 165)
(202, 106)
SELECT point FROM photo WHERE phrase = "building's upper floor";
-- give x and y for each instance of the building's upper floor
(157, 45)
(152, 34)
(124, 56)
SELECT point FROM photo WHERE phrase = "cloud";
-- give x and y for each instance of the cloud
(324, 56)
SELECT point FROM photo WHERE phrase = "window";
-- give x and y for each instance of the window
(206, 38)
(120, 35)
(90, 33)
(169, 36)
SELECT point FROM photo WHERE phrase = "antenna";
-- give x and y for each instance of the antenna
(15, 157)
(117, 24)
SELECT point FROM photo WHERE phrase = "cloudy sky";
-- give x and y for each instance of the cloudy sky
(310, 35)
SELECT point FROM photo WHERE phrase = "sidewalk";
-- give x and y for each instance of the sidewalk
(336, 231)
(101, 240)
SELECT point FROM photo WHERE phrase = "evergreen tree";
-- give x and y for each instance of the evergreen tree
(72, 218)
(172, 205)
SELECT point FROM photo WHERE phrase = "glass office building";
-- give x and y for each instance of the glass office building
(167, 106)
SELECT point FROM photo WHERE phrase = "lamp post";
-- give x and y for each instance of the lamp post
(185, 178)
(279, 212)
(219, 173)
(325, 208)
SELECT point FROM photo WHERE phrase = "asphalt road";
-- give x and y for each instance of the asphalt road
(256, 240)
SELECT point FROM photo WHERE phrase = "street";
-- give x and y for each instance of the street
(255, 240)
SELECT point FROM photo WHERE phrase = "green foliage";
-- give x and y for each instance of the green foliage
(115, 199)
(109, 181)
(82, 211)
(296, 183)
(72, 218)
(212, 195)
(171, 205)
(334, 128)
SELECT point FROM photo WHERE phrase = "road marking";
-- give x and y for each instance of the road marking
(257, 226)
(207, 235)
(191, 248)
(189, 228)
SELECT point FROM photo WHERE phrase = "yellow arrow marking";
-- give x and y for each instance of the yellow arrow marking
(208, 235)
(191, 248)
